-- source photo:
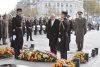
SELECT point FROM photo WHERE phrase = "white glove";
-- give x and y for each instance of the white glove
(14, 37)
(59, 39)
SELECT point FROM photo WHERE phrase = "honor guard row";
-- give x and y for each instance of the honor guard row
(39, 26)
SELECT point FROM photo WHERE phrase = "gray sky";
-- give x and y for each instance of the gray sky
(7, 5)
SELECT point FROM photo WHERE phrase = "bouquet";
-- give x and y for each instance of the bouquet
(80, 55)
(38, 56)
(6, 52)
(63, 62)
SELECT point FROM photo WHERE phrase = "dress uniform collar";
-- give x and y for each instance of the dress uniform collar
(18, 16)
(80, 18)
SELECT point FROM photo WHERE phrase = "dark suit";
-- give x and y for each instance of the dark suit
(17, 31)
(52, 34)
(29, 31)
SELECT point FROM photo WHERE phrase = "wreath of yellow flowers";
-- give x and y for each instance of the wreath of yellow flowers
(62, 62)
(80, 55)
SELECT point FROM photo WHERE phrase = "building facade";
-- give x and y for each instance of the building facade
(46, 7)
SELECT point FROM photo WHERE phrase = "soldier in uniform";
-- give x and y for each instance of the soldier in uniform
(40, 23)
(35, 24)
(17, 36)
(1, 29)
(10, 27)
(23, 25)
(29, 26)
(63, 35)
(44, 23)
(80, 30)
(5, 29)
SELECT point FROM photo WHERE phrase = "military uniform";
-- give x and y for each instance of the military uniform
(17, 36)
(1, 30)
(80, 31)
(35, 24)
(10, 29)
(5, 31)
(63, 37)
(44, 23)
(40, 23)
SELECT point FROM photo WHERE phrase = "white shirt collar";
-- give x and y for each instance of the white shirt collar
(52, 22)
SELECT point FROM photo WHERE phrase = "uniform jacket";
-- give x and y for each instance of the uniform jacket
(5, 28)
(80, 29)
(17, 30)
(63, 34)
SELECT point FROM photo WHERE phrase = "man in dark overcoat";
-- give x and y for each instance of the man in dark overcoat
(29, 26)
(1, 29)
(52, 33)
(17, 36)
(80, 30)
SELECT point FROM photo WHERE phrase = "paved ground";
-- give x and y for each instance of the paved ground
(92, 40)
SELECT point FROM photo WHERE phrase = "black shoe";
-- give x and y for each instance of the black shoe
(31, 40)
(4, 43)
(79, 50)
(17, 58)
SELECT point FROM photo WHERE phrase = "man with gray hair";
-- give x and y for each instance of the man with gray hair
(52, 33)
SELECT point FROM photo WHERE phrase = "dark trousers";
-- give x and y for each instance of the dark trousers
(29, 33)
(53, 49)
(44, 31)
(40, 31)
(35, 32)
(17, 52)
(23, 31)
(0, 41)
(63, 55)
(68, 46)
(79, 46)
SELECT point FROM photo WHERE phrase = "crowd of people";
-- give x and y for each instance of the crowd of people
(58, 31)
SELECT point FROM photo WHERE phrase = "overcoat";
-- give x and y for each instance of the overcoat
(1, 29)
(52, 33)
(10, 28)
(63, 34)
(17, 30)
(5, 28)
(80, 29)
